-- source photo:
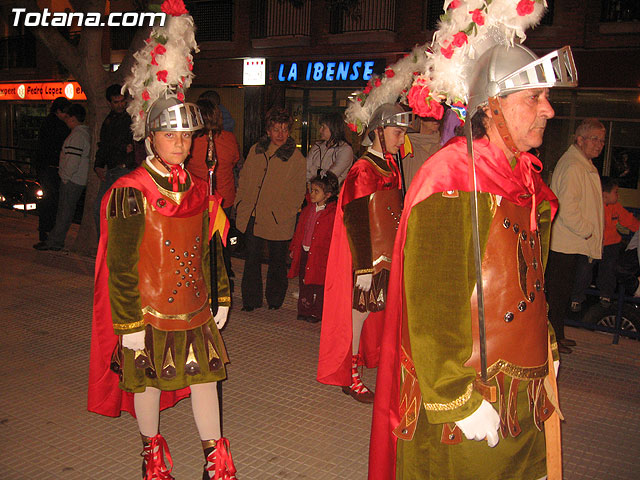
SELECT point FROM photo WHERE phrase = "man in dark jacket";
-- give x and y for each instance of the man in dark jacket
(51, 136)
(114, 157)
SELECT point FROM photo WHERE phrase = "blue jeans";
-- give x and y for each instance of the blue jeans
(70, 193)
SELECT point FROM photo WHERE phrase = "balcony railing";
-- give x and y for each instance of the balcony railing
(368, 16)
(279, 18)
(18, 52)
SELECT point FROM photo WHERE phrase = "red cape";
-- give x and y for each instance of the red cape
(446, 170)
(104, 395)
(334, 362)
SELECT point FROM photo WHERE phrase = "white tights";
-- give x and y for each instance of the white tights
(357, 321)
(204, 403)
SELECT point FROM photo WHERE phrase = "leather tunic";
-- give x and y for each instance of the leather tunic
(173, 293)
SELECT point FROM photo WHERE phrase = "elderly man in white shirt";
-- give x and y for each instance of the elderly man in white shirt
(576, 235)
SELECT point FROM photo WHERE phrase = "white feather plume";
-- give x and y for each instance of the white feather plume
(168, 49)
(466, 30)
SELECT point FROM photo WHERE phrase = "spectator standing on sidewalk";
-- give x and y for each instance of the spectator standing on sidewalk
(614, 214)
(73, 170)
(115, 156)
(332, 153)
(51, 136)
(577, 231)
(228, 123)
(425, 143)
(309, 250)
(271, 189)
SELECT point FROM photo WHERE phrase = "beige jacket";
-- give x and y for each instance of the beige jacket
(271, 186)
(579, 223)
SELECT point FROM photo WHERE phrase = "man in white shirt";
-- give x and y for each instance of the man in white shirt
(576, 235)
(73, 170)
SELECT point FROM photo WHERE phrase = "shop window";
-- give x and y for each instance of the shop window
(214, 20)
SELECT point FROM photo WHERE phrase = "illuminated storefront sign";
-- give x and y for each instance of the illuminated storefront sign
(41, 91)
(327, 72)
(253, 72)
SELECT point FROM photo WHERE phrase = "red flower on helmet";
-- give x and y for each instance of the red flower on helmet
(454, 4)
(447, 51)
(162, 76)
(422, 103)
(460, 39)
(389, 73)
(477, 17)
(159, 50)
(153, 59)
(352, 127)
(181, 96)
(377, 82)
(525, 7)
(367, 89)
(174, 7)
(145, 95)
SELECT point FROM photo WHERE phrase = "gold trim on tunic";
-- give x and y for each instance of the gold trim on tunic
(187, 317)
(363, 270)
(458, 402)
(175, 197)
(380, 259)
(516, 371)
(128, 326)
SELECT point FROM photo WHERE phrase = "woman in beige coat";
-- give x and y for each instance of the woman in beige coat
(271, 189)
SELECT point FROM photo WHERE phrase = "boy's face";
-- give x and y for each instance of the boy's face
(317, 195)
(393, 138)
(610, 197)
(173, 147)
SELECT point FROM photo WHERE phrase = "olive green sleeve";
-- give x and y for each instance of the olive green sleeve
(356, 221)
(224, 288)
(439, 278)
(544, 227)
(125, 236)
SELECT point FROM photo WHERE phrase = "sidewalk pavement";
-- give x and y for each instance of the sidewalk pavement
(282, 424)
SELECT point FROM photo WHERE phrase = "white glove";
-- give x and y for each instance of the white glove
(133, 341)
(221, 317)
(364, 281)
(556, 366)
(481, 424)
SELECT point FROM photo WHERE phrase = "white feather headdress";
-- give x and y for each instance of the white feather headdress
(163, 66)
(438, 72)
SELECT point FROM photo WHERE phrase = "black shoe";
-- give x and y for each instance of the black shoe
(302, 317)
(312, 319)
(41, 246)
(247, 309)
(567, 342)
(564, 348)
(273, 307)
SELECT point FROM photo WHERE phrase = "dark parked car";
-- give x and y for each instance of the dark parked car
(17, 190)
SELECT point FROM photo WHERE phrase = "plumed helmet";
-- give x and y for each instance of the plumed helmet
(388, 115)
(171, 115)
(502, 70)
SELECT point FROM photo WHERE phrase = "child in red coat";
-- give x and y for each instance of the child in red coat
(309, 248)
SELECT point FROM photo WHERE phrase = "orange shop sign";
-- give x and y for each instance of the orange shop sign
(41, 91)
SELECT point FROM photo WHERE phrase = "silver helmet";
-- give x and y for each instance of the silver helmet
(388, 115)
(502, 70)
(171, 115)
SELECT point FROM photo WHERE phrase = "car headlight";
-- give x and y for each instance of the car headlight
(39, 193)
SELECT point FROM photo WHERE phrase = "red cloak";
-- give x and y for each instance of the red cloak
(104, 395)
(334, 363)
(446, 170)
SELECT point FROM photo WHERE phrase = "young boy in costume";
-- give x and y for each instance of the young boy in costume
(309, 248)
(155, 338)
(369, 207)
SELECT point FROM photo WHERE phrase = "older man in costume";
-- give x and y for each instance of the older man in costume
(466, 383)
